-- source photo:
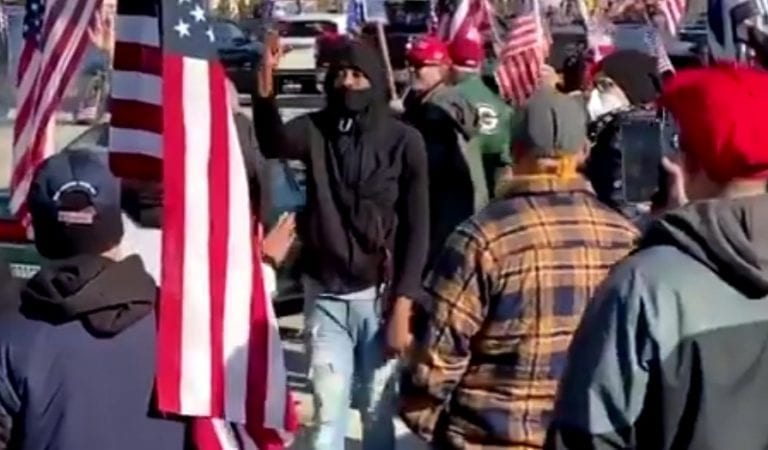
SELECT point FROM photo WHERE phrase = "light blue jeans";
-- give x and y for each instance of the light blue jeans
(346, 349)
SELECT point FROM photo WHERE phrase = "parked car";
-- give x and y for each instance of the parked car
(300, 35)
(238, 51)
(287, 179)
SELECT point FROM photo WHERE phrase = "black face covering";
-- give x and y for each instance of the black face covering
(351, 101)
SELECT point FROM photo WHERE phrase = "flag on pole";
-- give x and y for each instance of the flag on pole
(219, 350)
(458, 18)
(356, 14)
(521, 60)
(136, 123)
(55, 37)
(673, 12)
(656, 48)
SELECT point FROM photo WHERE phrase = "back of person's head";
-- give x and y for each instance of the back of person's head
(551, 138)
(723, 136)
(467, 52)
(74, 203)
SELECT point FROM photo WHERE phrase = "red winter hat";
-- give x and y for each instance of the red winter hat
(466, 50)
(720, 113)
(428, 51)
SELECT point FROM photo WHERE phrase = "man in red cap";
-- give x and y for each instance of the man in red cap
(494, 115)
(448, 122)
(671, 352)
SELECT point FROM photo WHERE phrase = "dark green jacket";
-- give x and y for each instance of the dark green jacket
(494, 116)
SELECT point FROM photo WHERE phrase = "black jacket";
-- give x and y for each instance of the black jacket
(77, 361)
(392, 196)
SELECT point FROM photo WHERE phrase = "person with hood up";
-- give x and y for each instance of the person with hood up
(671, 352)
(494, 116)
(448, 122)
(78, 356)
(509, 290)
(364, 232)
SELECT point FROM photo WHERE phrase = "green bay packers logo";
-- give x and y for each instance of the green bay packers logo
(488, 118)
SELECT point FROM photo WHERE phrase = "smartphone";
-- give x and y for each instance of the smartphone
(642, 142)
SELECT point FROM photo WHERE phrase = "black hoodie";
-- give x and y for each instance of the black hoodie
(673, 351)
(77, 362)
(366, 218)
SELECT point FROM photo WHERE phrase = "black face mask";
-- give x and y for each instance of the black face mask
(352, 101)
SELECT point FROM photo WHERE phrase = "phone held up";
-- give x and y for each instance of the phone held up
(645, 137)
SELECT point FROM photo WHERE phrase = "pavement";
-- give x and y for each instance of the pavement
(291, 326)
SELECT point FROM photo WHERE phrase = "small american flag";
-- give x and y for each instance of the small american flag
(522, 58)
(219, 351)
(136, 124)
(55, 38)
(457, 18)
(656, 48)
(673, 12)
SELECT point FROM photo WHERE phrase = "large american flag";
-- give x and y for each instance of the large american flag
(55, 38)
(521, 59)
(136, 124)
(220, 358)
(673, 12)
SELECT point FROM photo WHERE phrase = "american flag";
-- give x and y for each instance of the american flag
(55, 38)
(673, 12)
(136, 124)
(220, 357)
(521, 59)
(656, 48)
(459, 17)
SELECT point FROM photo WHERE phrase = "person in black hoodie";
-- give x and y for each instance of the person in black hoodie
(77, 358)
(364, 232)
(671, 353)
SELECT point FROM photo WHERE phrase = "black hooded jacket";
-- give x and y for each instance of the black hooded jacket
(366, 221)
(77, 361)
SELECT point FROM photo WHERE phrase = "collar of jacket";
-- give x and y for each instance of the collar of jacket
(541, 184)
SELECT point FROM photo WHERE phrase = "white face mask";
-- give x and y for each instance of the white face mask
(604, 102)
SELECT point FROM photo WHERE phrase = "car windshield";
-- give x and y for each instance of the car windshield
(227, 32)
(307, 28)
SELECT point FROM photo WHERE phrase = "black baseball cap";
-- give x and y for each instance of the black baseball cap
(74, 201)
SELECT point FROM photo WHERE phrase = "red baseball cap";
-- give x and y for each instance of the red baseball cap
(428, 51)
(466, 49)
(720, 113)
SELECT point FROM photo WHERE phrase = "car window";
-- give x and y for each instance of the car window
(307, 28)
(226, 32)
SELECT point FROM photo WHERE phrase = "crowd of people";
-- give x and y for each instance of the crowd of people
(466, 267)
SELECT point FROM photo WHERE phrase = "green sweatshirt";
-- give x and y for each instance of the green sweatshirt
(494, 116)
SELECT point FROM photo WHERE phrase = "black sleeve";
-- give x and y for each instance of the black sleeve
(276, 139)
(413, 216)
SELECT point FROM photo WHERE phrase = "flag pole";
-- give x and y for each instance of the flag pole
(385, 54)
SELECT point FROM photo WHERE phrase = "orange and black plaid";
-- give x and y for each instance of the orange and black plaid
(507, 293)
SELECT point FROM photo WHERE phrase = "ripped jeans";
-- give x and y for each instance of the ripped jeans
(346, 351)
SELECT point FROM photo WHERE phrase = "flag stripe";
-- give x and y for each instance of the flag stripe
(219, 189)
(521, 59)
(170, 309)
(150, 94)
(196, 339)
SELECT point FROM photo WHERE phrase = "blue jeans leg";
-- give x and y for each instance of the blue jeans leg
(377, 377)
(331, 350)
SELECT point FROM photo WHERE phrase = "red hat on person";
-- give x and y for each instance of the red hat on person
(720, 114)
(428, 51)
(466, 50)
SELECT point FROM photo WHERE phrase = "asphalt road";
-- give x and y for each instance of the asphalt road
(291, 326)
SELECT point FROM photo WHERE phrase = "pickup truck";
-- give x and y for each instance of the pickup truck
(288, 194)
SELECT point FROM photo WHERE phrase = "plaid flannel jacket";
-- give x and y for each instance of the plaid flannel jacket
(507, 294)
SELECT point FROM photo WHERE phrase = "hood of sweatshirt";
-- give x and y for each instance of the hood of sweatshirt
(729, 236)
(106, 296)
